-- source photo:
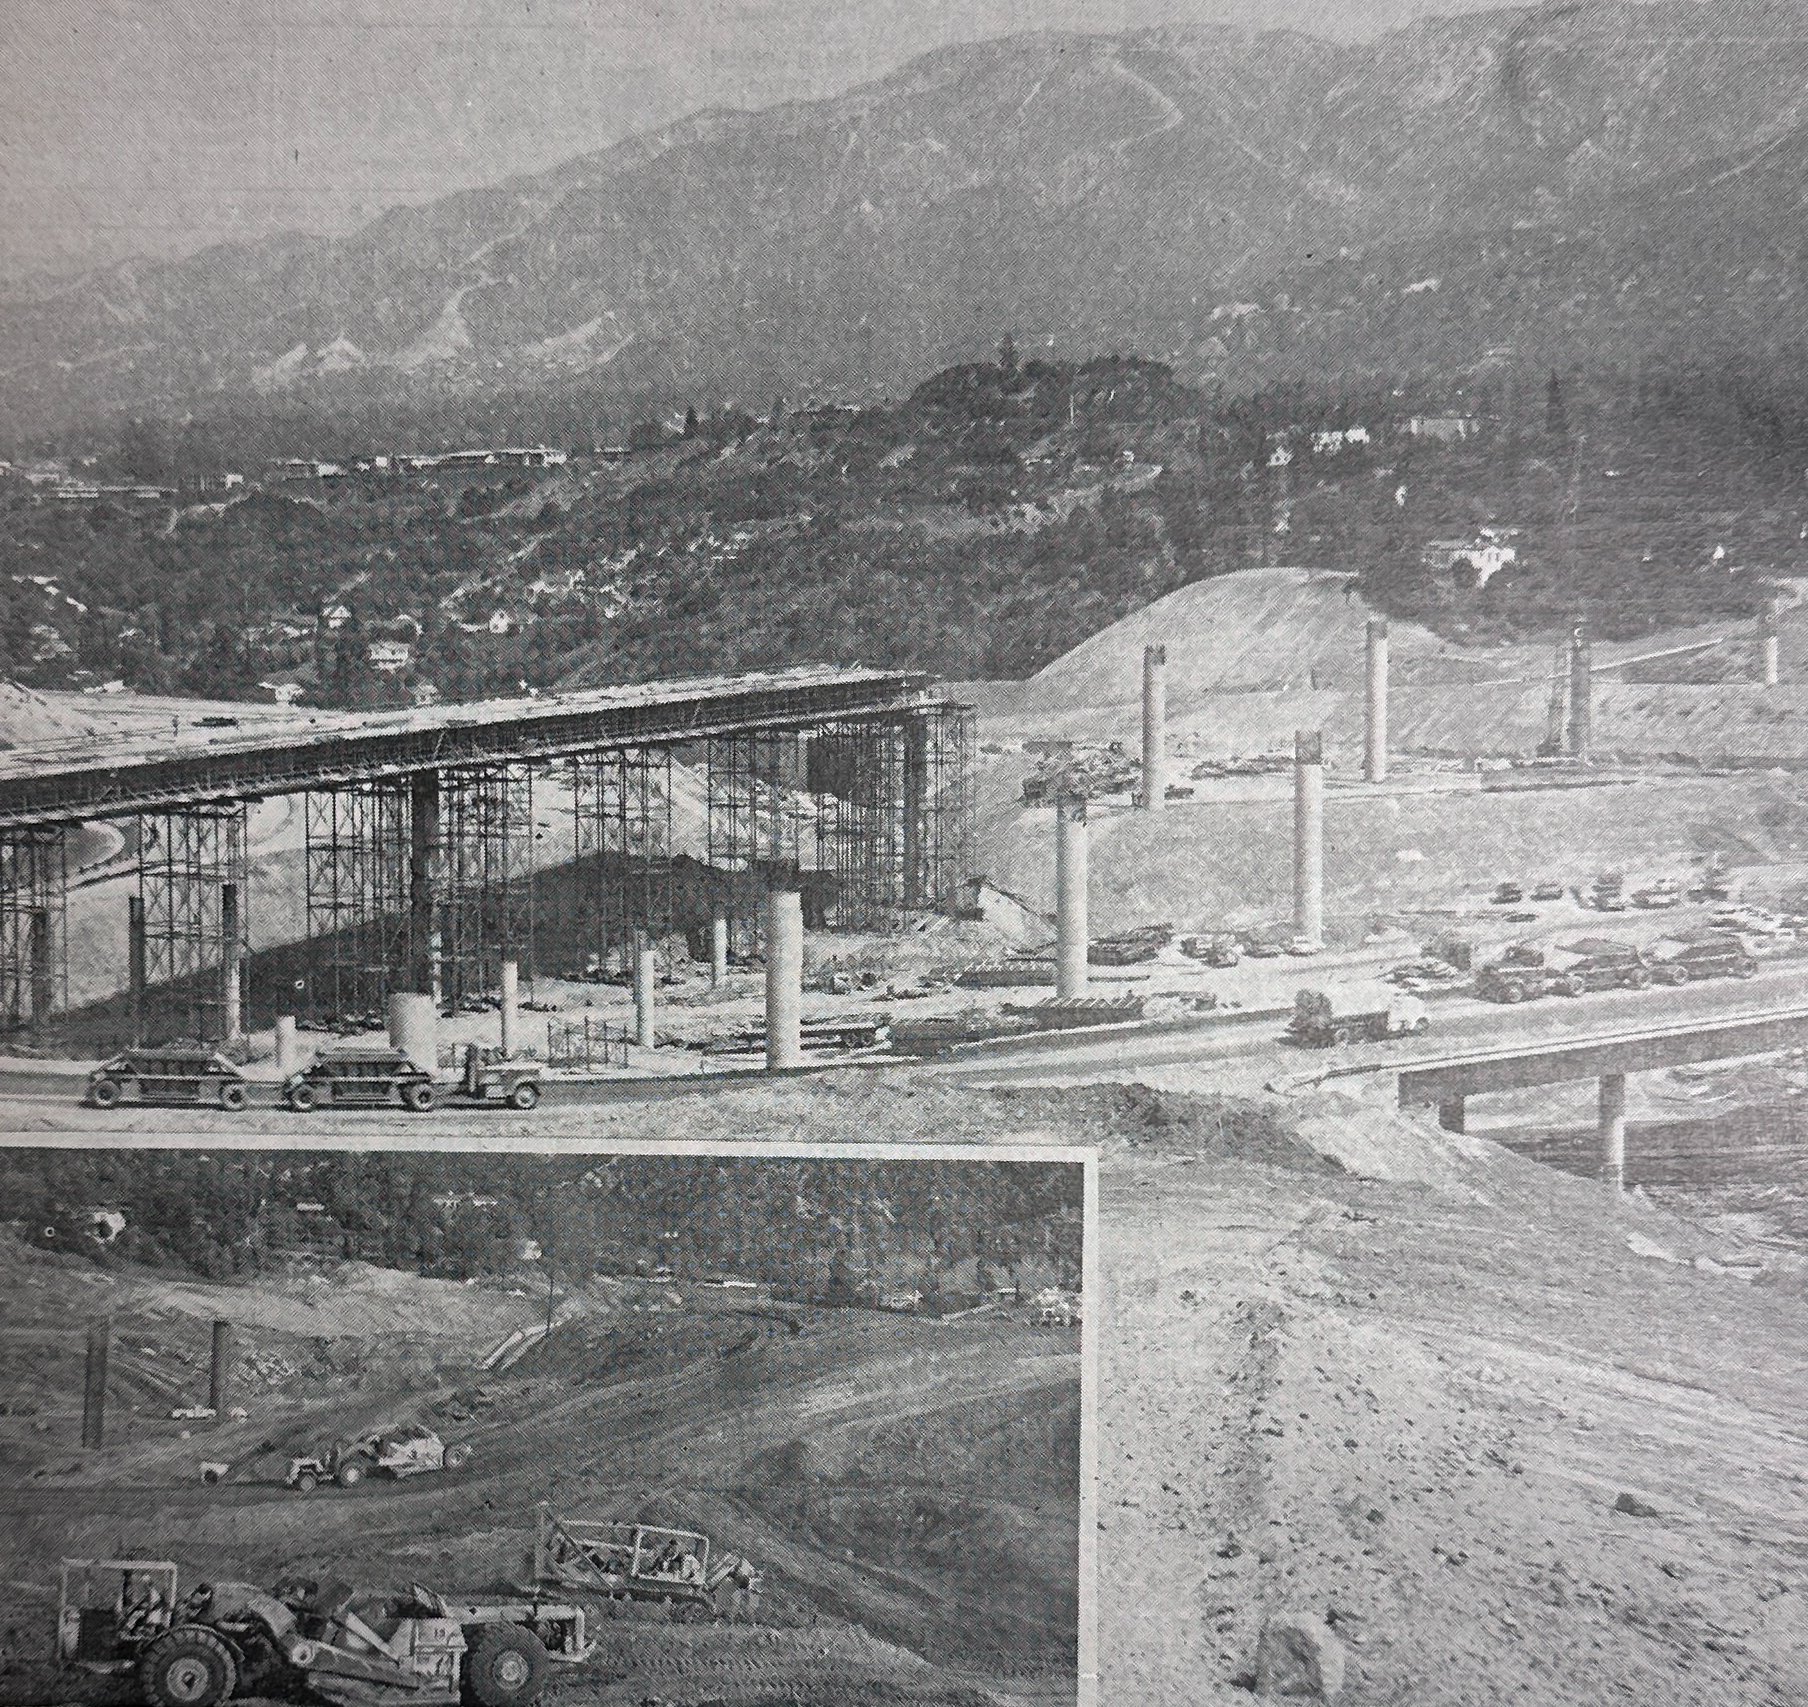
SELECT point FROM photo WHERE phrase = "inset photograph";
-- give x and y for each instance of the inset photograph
(371, 1427)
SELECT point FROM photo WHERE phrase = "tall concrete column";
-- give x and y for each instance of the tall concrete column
(1374, 747)
(1155, 728)
(1453, 1114)
(718, 948)
(288, 1052)
(1767, 632)
(94, 1383)
(1070, 895)
(414, 1027)
(784, 979)
(1581, 693)
(1309, 836)
(645, 967)
(136, 974)
(511, 1008)
(232, 966)
(1611, 1125)
(42, 961)
(219, 1370)
(426, 861)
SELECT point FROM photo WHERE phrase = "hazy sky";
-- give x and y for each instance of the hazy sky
(152, 126)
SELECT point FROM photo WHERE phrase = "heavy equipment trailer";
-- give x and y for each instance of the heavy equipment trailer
(359, 1648)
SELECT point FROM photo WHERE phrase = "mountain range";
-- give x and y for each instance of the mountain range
(1573, 183)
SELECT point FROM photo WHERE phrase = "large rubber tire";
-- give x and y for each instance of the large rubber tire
(104, 1093)
(1511, 993)
(505, 1666)
(352, 1472)
(418, 1096)
(302, 1097)
(1572, 987)
(306, 1482)
(1638, 978)
(1745, 969)
(232, 1098)
(525, 1095)
(1676, 974)
(188, 1667)
(457, 1457)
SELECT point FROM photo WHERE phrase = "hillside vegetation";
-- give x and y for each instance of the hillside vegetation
(980, 527)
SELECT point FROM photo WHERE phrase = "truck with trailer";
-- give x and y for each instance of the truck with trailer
(1358, 1014)
(394, 1452)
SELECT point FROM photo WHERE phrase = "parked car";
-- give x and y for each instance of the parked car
(360, 1078)
(1213, 950)
(1507, 894)
(1720, 955)
(171, 1077)
(1598, 963)
(1548, 891)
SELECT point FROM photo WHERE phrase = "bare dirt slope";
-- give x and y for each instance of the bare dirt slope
(1256, 654)
(1410, 1412)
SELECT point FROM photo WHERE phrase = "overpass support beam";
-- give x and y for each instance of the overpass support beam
(1453, 1114)
(33, 917)
(1611, 1126)
(1070, 896)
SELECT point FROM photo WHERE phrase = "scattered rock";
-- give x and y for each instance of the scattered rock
(1298, 1658)
(1633, 1506)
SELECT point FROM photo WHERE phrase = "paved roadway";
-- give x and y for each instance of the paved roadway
(1243, 1054)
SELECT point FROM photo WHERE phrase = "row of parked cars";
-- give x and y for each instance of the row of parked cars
(186, 1076)
(1526, 972)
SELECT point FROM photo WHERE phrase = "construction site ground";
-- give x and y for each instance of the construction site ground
(908, 1487)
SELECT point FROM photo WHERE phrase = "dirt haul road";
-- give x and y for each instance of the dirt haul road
(900, 1483)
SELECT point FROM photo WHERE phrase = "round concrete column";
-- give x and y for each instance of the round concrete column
(1070, 895)
(1612, 1129)
(645, 970)
(718, 949)
(1374, 750)
(288, 1050)
(784, 979)
(511, 1007)
(414, 1028)
(1155, 728)
(1309, 836)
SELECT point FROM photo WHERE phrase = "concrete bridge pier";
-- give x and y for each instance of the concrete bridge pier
(1070, 896)
(1611, 1125)
(1309, 836)
(1155, 728)
(784, 976)
(1453, 1113)
(1374, 747)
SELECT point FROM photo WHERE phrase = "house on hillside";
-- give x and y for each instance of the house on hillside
(390, 657)
(1445, 429)
(335, 615)
(423, 694)
(1485, 554)
(286, 687)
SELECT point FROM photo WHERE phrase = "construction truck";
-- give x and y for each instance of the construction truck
(671, 1570)
(359, 1648)
(1362, 1014)
(397, 1452)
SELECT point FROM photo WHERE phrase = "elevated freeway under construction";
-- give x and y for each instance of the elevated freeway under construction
(422, 843)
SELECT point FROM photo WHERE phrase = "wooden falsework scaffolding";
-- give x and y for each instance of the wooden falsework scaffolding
(488, 907)
(193, 892)
(757, 810)
(34, 916)
(358, 897)
(622, 846)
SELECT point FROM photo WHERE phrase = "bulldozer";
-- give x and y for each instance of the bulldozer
(397, 1452)
(668, 1570)
(355, 1647)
